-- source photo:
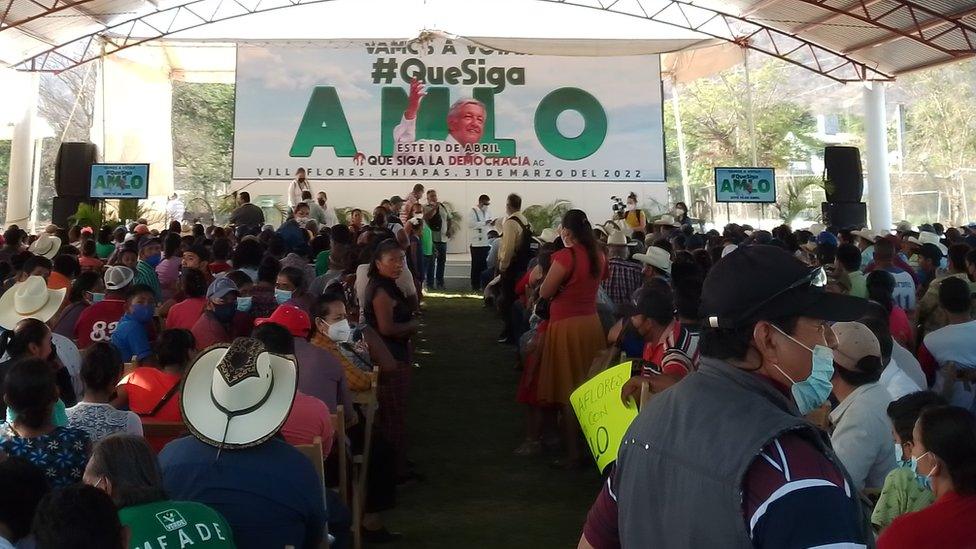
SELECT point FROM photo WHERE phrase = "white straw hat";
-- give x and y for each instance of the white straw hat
(668, 220)
(656, 257)
(29, 299)
(238, 396)
(548, 236)
(46, 245)
(618, 238)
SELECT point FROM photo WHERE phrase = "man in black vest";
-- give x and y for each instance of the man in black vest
(725, 458)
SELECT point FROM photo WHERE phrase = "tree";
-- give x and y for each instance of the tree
(941, 122)
(203, 135)
(714, 116)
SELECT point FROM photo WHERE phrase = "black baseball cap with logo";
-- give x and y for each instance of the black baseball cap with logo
(766, 282)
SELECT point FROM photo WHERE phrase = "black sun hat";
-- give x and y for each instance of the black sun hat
(766, 282)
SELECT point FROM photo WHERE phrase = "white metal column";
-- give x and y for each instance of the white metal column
(22, 155)
(682, 153)
(879, 178)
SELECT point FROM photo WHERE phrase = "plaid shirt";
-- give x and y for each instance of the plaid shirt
(623, 279)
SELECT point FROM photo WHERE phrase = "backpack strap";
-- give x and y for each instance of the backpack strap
(162, 402)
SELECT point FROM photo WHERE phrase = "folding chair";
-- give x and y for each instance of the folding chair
(367, 400)
(341, 447)
(315, 454)
(164, 429)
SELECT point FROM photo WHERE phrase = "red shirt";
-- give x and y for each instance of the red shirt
(147, 387)
(209, 331)
(185, 313)
(97, 322)
(949, 522)
(577, 297)
(216, 268)
(309, 418)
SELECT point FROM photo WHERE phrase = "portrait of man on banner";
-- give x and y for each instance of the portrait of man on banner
(465, 125)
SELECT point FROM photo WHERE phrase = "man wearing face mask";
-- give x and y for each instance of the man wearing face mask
(149, 257)
(729, 444)
(214, 325)
(861, 434)
(131, 336)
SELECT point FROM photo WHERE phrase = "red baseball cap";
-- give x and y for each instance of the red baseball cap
(291, 317)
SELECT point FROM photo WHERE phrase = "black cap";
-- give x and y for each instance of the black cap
(754, 283)
(654, 301)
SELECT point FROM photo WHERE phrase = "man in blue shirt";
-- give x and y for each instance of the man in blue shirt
(235, 400)
(131, 335)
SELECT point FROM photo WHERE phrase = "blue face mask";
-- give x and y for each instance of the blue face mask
(153, 260)
(244, 304)
(810, 393)
(96, 297)
(923, 480)
(281, 296)
(142, 313)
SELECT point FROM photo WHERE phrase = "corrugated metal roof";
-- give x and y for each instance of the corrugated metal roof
(843, 39)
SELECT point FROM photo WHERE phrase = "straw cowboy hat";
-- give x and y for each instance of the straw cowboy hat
(618, 238)
(548, 236)
(926, 237)
(867, 234)
(668, 220)
(29, 299)
(46, 245)
(656, 257)
(238, 396)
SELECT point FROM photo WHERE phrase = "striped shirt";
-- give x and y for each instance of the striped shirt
(792, 496)
(146, 274)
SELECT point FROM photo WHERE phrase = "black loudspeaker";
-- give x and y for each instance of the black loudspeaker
(72, 169)
(843, 176)
(65, 207)
(845, 215)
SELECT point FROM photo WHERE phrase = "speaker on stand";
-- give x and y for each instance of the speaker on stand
(844, 186)
(72, 172)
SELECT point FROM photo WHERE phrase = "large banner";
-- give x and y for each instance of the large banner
(445, 110)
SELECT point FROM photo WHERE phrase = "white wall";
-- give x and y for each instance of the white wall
(591, 197)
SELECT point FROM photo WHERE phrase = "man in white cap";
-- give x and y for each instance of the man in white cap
(235, 399)
(862, 433)
(99, 320)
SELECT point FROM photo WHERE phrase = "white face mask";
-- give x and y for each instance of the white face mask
(340, 332)
(631, 207)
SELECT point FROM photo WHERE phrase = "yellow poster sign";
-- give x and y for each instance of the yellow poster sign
(602, 415)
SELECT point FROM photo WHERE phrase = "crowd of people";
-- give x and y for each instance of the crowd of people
(791, 384)
(798, 388)
(249, 338)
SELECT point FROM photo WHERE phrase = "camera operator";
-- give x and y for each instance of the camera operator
(633, 215)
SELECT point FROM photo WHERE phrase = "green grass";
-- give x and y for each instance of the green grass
(464, 424)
